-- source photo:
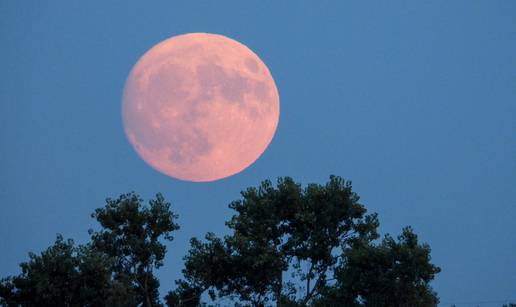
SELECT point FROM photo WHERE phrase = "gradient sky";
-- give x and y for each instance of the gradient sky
(415, 101)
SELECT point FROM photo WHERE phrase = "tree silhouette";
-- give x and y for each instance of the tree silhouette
(114, 269)
(392, 273)
(306, 246)
(288, 246)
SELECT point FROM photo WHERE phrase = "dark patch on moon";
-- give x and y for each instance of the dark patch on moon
(187, 146)
(262, 91)
(251, 64)
(213, 80)
(167, 85)
(231, 86)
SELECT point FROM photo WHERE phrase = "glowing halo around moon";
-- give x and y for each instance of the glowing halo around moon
(200, 107)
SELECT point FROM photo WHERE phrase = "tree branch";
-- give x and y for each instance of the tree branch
(308, 278)
(315, 288)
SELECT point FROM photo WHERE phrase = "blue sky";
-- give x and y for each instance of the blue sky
(414, 101)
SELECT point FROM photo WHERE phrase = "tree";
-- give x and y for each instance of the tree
(131, 235)
(288, 246)
(308, 246)
(114, 269)
(392, 273)
(286, 240)
(63, 275)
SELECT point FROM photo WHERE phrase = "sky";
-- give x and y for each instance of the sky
(414, 101)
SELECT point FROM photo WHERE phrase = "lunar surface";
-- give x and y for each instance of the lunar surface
(200, 107)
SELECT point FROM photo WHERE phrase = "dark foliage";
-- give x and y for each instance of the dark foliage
(289, 246)
(114, 269)
(294, 246)
(393, 273)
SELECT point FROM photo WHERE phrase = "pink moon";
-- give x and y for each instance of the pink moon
(200, 107)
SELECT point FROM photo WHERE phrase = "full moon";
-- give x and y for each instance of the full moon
(200, 107)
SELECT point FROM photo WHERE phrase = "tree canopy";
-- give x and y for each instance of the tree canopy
(288, 245)
(392, 273)
(312, 246)
(114, 269)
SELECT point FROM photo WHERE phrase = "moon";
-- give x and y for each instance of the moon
(200, 107)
